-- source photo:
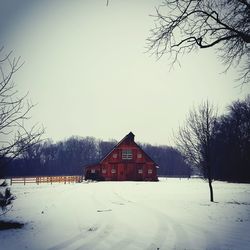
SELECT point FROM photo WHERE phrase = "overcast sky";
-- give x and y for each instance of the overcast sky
(87, 70)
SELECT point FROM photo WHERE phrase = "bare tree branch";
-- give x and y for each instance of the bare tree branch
(182, 26)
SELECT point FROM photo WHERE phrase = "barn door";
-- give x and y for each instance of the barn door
(121, 172)
(114, 173)
(130, 173)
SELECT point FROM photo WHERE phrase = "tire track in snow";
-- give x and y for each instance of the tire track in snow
(155, 240)
(178, 234)
(107, 236)
(168, 230)
(112, 231)
(189, 235)
(68, 243)
(88, 234)
(91, 239)
(95, 238)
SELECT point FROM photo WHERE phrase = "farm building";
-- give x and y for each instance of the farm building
(125, 162)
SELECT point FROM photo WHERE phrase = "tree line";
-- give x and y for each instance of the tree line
(231, 143)
(69, 157)
(221, 150)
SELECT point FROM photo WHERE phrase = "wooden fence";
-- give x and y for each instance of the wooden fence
(46, 179)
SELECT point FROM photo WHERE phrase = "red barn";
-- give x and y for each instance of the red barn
(125, 162)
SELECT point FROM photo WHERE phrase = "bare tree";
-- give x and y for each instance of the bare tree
(15, 138)
(182, 26)
(194, 140)
(14, 111)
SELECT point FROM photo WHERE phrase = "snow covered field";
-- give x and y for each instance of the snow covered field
(170, 214)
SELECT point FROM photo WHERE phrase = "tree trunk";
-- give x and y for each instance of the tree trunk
(211, 190)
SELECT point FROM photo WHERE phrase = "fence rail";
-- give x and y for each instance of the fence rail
(46, 179)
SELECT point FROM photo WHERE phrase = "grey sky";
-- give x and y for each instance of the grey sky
(86, 68)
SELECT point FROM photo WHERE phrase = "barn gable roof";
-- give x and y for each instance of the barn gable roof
(130, 136)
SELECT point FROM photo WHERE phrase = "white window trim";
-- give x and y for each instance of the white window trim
(127, 154)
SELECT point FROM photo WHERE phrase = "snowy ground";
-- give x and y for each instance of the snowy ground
(170, 214)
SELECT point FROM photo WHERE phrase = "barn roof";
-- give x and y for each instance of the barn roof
(129, 136)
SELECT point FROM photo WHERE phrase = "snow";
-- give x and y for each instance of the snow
(169, 214)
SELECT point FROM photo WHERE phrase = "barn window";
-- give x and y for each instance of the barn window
(104, 171)
(139, 156)
(127, 154)
(92, 171)
(150, 171)
(115, 156)
(113, 171)
(140, 171)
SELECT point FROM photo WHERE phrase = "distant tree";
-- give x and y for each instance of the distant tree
(232, 143)
(169, 159)
(194, 140)
(65, 157)
(31, 159)
(15, 138)
(104, 147)
(80, 151)
(182, 26)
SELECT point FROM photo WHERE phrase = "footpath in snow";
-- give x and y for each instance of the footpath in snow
(169, 214)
